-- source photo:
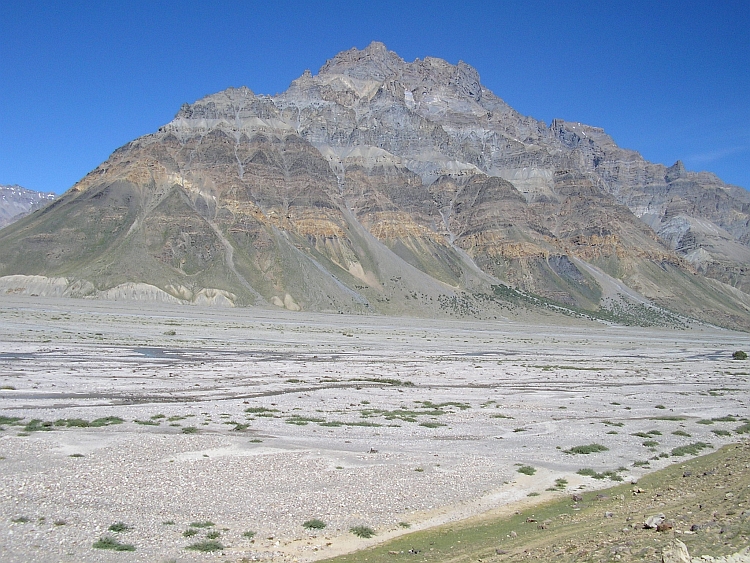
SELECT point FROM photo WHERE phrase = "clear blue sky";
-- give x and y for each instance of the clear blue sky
(79, 79)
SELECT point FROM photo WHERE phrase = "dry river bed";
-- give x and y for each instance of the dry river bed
(251, 422)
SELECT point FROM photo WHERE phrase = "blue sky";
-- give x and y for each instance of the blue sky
(79, 79)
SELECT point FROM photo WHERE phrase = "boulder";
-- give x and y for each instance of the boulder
(675, 552)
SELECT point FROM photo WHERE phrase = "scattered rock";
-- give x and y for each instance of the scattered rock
(609, 514)
(702, 526)
(664, 526)
(675, 552)
(653, 521)
(575, 497)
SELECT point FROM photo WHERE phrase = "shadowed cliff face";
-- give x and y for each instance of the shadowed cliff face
(379, 185)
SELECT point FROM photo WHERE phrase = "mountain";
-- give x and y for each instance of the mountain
(390, 187)
(15, 202)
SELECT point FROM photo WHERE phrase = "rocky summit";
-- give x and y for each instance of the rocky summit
(384, 186)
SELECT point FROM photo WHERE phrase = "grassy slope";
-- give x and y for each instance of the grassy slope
(710, 492)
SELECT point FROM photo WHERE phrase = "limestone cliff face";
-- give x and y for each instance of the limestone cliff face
(379, 185)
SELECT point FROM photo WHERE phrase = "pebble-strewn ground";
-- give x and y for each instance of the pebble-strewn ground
(257, 421)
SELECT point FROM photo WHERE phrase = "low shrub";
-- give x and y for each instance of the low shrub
(362, 531)
(314, 524)
(587, 449)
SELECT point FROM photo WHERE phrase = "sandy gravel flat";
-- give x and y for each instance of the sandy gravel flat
(353, 420)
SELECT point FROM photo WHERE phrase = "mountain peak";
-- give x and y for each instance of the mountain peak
(677, 170)
(374, 62)
(395, 187)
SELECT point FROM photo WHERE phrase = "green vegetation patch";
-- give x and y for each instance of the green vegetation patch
(423, 408)
(300, 420)
(146, 422)
(108, 542)
(648, 434)
(527, 470)
(432, 424)
(559, 485)
(38, 425)
(362, 531)
(587, 449)
(12, 420)
(73, 422)
(106, 421)
(206, 546)
(690, 449)
(314, 524)
(727, 418)
(611, 475)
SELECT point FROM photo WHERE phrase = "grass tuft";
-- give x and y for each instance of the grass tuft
(362, 531)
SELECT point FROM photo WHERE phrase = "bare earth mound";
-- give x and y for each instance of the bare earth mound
(225, 428)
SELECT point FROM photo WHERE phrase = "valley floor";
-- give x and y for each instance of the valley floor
(256, 420)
